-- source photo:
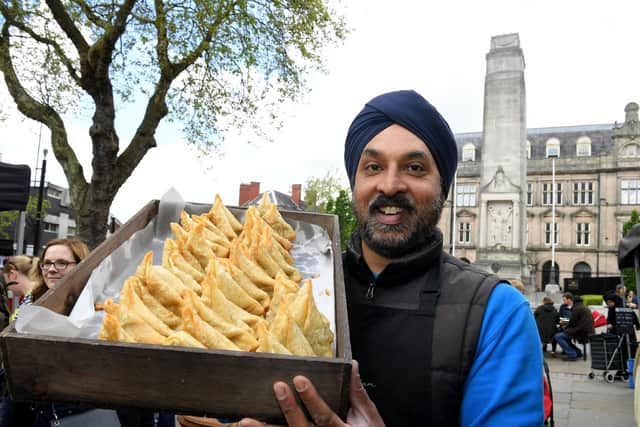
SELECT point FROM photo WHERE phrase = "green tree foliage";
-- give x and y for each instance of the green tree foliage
(209, 64)
(629, 274)
(7, 218)
(318, 191)
(341, 206)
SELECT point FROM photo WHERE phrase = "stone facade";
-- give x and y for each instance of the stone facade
(504, 218)
(597, 174)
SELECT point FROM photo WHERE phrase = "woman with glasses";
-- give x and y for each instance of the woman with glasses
(59, 257)
(17, 271)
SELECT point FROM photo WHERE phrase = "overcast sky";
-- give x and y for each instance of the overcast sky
(582, 67)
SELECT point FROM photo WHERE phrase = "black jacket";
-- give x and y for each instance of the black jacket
(414, 331)
(547, 319)
(580, 324)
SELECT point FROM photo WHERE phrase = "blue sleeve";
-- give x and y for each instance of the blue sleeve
(504, 386)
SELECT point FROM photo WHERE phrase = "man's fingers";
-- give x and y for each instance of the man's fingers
(360, 402)
(292, 412)
(322, 415)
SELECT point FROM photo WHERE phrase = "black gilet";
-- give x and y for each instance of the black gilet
(414, 331)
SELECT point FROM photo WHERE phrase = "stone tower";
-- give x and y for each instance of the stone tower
(503, 175)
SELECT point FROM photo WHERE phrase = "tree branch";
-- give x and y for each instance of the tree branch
(44, 40)
(68, 26)
(44, 114)
(95, 19)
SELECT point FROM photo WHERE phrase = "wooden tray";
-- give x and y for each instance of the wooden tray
(172, 379)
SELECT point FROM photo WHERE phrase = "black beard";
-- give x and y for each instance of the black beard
(404, 238)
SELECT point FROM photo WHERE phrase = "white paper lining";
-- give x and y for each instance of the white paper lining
(312, 254)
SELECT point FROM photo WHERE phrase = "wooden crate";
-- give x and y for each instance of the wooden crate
(173, 379)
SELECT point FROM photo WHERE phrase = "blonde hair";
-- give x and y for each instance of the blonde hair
(20, 263)
(518, 285)
(78, 248)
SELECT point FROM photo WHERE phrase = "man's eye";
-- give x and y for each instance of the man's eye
(372, 167)
(416, 168)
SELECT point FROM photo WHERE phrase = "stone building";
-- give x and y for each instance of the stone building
(505, 219)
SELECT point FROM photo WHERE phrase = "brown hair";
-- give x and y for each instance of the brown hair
(547, 300)
(78, 248)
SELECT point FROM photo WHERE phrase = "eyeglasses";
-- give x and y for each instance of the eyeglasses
(59, 265)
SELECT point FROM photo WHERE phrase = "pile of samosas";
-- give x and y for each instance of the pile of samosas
(222, 285)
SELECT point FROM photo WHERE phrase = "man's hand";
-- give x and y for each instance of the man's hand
(363, 411)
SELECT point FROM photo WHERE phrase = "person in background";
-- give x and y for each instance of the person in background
(17, 272)
(632, 299)
(621, 291)
(580, 328)
(547, 319)
(613, 301)
(565, 307)
(59, 257)
(437, 341)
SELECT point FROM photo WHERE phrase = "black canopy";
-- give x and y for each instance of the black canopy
(628, 247)
(14, 186)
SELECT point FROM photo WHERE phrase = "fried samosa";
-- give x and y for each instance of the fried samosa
(314, 325)
(204, 332)
(285, 329)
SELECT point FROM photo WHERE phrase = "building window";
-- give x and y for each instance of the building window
(469, 153)
(547, 233)
(553, 147)
(582, 234)
(546, 193)
(581, 270)
(631, 150)
(529, 193)
(630, 193)
(464, 232)
(466, 195)
(583, 193)
(50, 227)
(528, 149)
(583, 147)
(71, 231)
(53, 193)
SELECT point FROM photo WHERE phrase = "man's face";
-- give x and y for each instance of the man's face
(397, 195)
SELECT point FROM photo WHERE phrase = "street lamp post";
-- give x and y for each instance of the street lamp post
(553, 220)
(36, 236)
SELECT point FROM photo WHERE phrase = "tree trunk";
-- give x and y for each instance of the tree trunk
(92, 221)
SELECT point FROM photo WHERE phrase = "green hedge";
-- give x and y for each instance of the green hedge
(591, 299)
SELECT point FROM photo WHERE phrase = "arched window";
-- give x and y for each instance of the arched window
(528, 149)
(546, 274)
(553, 147)
(631, 150)
(468, 153)
(581, 270)
(583, 147)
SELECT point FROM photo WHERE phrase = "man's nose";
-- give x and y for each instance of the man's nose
(392, 182)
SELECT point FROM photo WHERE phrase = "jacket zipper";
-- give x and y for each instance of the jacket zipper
(370, 289)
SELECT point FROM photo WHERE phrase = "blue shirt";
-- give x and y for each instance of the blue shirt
(504, 386)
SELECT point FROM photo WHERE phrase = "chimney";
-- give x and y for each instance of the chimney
(296, 192)
(248, 192)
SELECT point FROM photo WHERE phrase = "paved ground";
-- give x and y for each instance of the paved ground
(583, 402)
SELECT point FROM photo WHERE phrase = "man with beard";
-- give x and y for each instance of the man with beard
(438, 341)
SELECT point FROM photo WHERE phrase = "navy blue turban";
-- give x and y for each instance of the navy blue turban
(411, 111)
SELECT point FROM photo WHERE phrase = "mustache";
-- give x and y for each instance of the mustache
(399, 200)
